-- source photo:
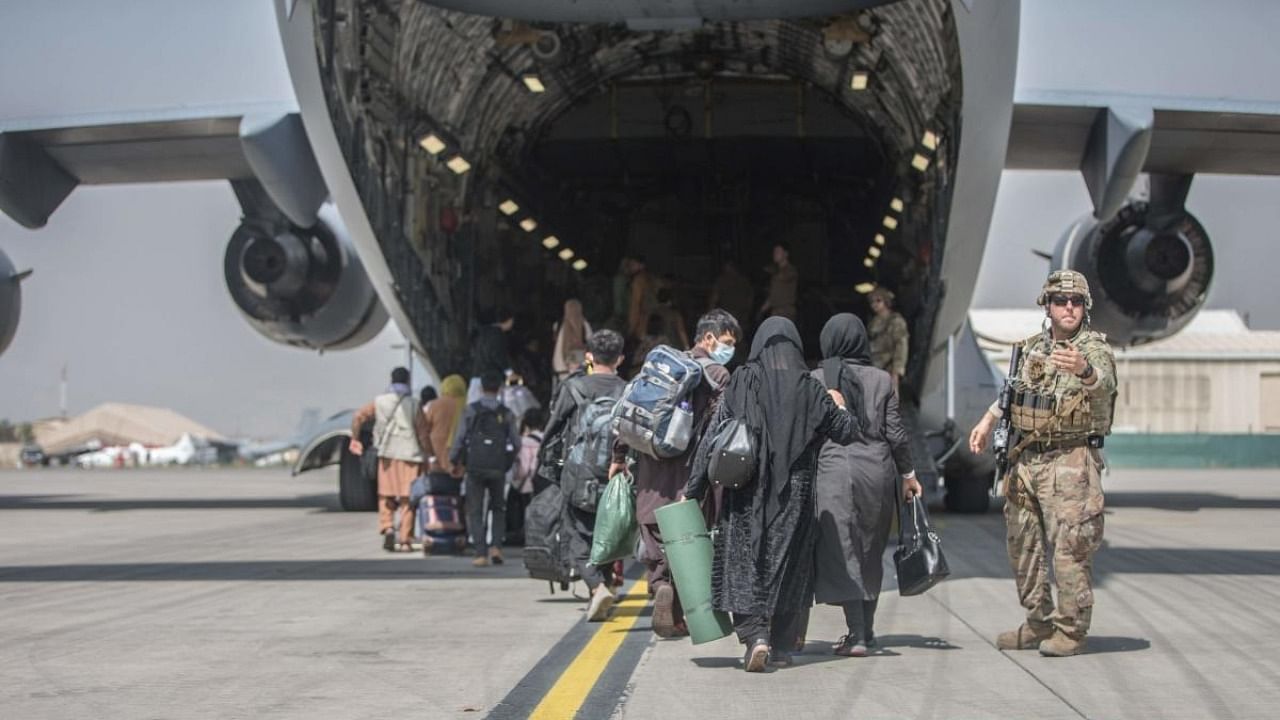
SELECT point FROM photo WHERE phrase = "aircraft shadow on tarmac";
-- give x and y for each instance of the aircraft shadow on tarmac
(408, 568)
(322, 502)
(1188, 502)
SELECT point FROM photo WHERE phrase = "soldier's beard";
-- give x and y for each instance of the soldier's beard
(1062, 328)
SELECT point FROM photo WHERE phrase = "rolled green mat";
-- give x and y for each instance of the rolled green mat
(688, 548)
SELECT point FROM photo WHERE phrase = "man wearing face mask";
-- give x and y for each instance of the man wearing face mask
(658, 482)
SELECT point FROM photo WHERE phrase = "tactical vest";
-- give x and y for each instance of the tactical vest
(393, 432)
(1040, 390)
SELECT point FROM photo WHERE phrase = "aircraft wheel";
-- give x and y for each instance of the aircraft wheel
(967, 494)
(355, 493)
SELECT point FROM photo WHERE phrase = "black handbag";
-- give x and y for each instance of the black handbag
(733, 455)
(919, 558)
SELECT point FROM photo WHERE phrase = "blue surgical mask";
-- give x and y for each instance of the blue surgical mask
(722, 353)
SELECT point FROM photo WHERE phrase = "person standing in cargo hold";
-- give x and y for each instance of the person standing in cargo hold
(399, 435)
(1063, 398)
(489, 352)
(889, 335)
(660, 477)
(784, 286)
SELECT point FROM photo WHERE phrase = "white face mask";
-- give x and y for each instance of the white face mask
(722, 353)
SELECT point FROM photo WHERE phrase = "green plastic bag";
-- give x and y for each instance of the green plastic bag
(616, 530)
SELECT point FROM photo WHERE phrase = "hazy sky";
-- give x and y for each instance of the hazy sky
(128, 289)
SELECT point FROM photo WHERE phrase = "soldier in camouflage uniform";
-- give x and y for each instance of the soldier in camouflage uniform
(1064, 393)
(888, 333)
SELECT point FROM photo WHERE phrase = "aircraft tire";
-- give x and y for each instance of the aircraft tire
(355, 493)
(967, 494)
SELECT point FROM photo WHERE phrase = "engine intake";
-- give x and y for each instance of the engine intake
(303, 287)
(1149, 273)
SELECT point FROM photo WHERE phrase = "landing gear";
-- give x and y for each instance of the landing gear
(968, 482)
(355, 492)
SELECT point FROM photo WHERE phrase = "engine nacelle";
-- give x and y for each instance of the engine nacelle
(305, 288)
(1148, 275)
(10, 300)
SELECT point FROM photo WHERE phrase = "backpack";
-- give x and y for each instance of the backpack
(488, 444)
(546, 544)
(586, 462)
(655, 414)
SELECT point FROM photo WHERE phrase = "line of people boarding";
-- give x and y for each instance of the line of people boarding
(831, 460)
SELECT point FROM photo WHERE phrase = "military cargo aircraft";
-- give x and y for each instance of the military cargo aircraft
(450, 156)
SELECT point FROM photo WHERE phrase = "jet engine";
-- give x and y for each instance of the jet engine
(303, 287)
(10, 300)
(1149, 271)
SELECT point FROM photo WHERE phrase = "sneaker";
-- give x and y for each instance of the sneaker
(1024, 638)
(850, 646)
(664, 620)
(601, 600)
(495, 555)
(480, 561)
(757, 656)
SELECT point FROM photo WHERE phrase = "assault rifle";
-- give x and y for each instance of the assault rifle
(1002, 438)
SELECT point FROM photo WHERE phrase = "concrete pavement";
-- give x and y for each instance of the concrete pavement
(138, 594)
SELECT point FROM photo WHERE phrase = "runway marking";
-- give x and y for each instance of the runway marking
(570, 692)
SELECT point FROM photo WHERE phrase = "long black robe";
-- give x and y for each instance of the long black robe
(763, 562)
(857, 484)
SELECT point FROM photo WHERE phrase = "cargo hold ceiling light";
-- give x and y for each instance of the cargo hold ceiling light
(880, 239)
(509, 207)
(920, 162)
(551, 242)
(566, 254)
(432, 143)
(533, 82)
(579, 264)
(873, 251)
(891, 222)
(859, 80)
(528, 224)
(930, 140)
(864, 287)
(896, 205)
(458, 164)
(868, 262)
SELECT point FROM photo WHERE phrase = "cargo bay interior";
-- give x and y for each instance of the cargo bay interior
(514, 163)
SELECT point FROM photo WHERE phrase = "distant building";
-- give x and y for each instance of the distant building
(119, 424)
(1217, 376)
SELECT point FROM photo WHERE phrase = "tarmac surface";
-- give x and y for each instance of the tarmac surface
(247, 594)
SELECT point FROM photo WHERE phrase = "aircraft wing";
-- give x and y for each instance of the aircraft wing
(1112, 138)
(42, 161)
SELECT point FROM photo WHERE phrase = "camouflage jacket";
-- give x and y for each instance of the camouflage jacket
(889, 342)
(1037, 375)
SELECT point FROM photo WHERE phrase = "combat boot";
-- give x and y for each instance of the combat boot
(1024, 638)
(1062, 645)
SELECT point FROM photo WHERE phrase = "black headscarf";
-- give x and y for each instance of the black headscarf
(844, 340)
(769, 392)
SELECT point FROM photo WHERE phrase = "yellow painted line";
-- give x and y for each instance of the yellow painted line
(570, 691)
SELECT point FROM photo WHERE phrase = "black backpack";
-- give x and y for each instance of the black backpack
(586, 464)
(488, 441)
(546, 544)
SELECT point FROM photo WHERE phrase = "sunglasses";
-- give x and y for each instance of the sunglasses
(1063, 300)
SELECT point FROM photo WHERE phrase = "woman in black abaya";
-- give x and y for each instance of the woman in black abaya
(762, 572)
(857, 483)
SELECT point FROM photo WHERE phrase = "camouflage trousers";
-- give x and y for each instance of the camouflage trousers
(1055, 506)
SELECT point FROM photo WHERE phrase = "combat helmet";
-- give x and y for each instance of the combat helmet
(1068, 282)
